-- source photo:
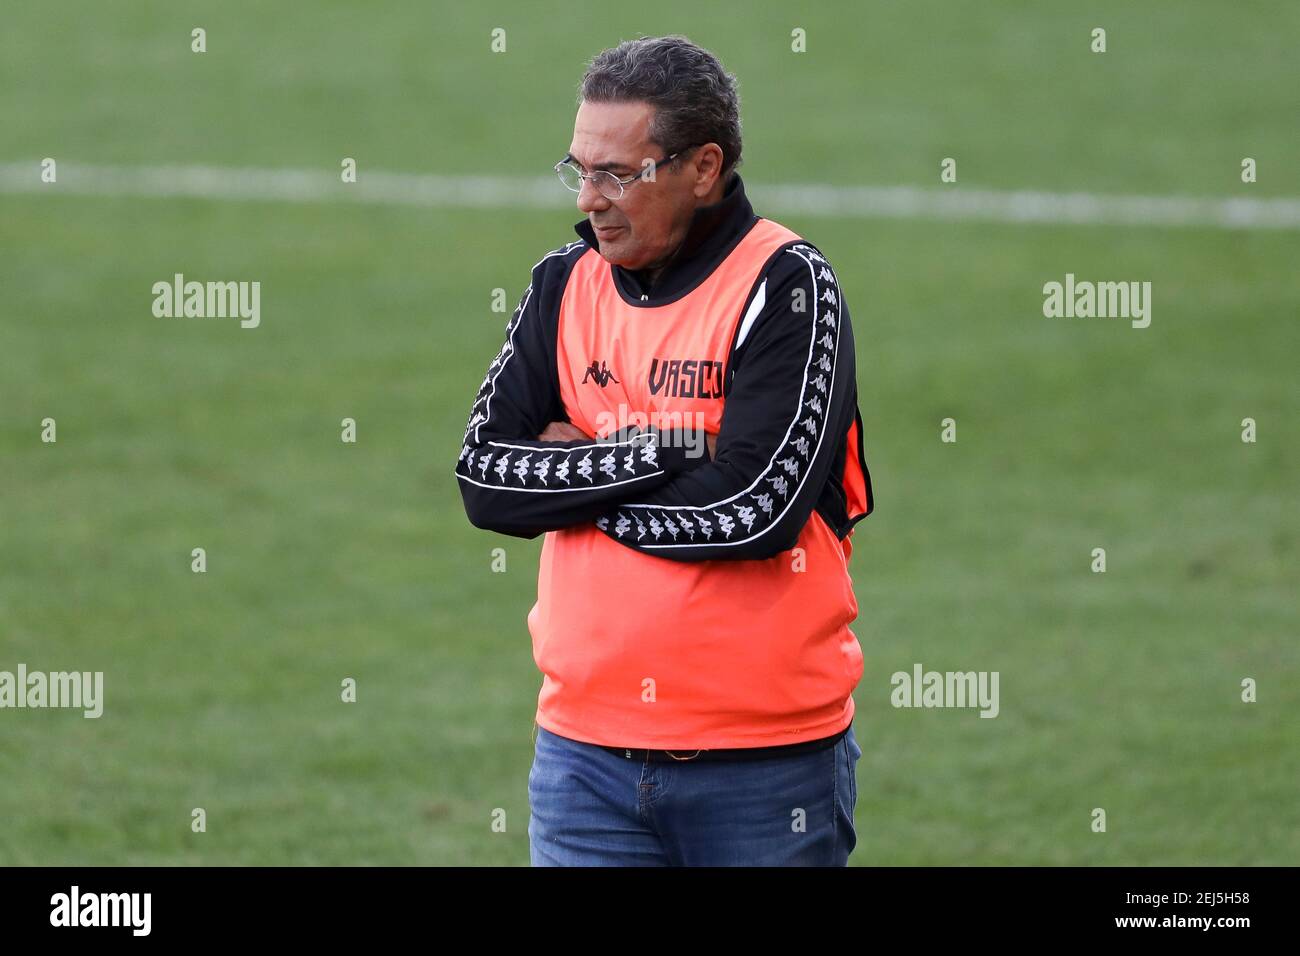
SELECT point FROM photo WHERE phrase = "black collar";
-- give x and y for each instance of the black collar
(714, 232)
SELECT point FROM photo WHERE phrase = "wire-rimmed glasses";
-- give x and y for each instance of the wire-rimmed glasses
(606, 183)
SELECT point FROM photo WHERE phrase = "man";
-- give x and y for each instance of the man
(694, 597)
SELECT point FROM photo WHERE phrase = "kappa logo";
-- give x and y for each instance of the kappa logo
(600, 373)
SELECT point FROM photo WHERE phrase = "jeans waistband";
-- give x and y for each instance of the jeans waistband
(732, 753)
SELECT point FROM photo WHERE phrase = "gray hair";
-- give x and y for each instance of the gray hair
(694, 98)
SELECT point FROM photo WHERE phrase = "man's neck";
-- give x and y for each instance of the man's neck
(652, 273)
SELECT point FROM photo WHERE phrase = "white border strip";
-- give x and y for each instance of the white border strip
(952, 203)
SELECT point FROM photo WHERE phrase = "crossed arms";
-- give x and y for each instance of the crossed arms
(790, 397)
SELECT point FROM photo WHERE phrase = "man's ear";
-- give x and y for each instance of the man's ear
(708, 166)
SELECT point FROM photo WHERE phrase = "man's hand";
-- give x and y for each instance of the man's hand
(561, 431)
(711, 440)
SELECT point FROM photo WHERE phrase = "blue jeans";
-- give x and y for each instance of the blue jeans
(590, 807)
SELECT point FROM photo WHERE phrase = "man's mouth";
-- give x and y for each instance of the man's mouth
(604, 231)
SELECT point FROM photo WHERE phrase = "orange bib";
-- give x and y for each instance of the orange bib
(642, 651)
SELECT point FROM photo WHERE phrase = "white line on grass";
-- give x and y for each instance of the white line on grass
(512, 192)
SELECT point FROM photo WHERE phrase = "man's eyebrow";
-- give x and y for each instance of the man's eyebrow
(611, 167)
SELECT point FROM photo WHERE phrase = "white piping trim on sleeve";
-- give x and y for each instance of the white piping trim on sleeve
(755, 307)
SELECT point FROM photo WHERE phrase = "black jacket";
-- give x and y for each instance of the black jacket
(508, 479)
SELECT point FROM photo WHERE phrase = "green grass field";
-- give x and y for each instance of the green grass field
(328, 560)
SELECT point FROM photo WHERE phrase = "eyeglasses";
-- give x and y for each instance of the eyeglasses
(608, 185)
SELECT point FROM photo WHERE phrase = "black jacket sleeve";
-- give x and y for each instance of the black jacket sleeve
(790, 399)
(511, 482)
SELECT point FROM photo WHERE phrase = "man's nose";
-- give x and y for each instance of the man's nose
(590, 198)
